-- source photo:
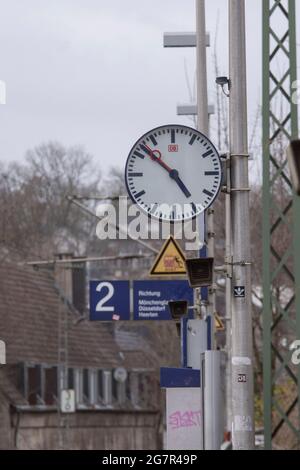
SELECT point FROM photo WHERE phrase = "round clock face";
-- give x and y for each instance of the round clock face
(173, 173)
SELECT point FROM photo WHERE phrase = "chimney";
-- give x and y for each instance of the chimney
(63, 275)
(71, 280)
(79, 286)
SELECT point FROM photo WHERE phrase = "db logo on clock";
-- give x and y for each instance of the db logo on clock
(173, 148)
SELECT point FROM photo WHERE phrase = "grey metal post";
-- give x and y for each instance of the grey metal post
(203, 123)
(202, 101)
(196, 342)
(212, 394)
(212, 423)
(242, 347)
(228, 259)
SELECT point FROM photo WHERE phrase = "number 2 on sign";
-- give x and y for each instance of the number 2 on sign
(100, 307)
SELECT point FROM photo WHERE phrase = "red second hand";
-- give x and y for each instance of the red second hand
(158, 159)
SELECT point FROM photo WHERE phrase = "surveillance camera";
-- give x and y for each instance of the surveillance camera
(200, 271)
(222, 81)
(178, 309)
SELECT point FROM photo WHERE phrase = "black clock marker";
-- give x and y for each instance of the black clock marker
(191, 142)
(173, 138)
(140, 155)
(207, 154)
(208, 193)
(211, 173)
(153, 140)
(137, 196)
(135, 175)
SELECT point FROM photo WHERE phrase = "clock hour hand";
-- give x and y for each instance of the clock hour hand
(175, 176)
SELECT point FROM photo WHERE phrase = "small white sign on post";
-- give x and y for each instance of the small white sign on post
(2, 352)
(184, 419)
(67, 401)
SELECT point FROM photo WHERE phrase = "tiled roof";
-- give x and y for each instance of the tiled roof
(9, 389)
(30, 306)
(136, 349)
(129, 341)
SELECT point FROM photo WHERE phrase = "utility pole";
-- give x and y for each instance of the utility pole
(228, 295)
(242, 346)
(203, 126)
(202, 102)
(63, 278)
(212, 404)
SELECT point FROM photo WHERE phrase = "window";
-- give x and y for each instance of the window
(132, 389)
(114, 390)
(90, 386)
(107, 387)
(50, 385)
(34, 385)
(71, 379)
(85, 378)
(78, 386)
(142, 389)
(100, 385)
(93, 387)
(41, 385)
(119, 392)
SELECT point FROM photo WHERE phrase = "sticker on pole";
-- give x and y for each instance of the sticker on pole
(170, 261)
(239, 292)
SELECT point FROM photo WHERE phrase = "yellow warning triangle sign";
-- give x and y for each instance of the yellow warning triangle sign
(170, 260)
(219, 325)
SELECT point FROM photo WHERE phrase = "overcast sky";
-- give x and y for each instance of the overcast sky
(94, 72)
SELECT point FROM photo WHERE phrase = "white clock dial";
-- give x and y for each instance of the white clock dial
(173, 173)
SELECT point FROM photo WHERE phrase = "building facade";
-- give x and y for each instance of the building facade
(47, 336)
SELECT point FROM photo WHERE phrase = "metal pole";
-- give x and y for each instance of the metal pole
(242, 346)
(267, 238)
(212, 429)
(296, 199)
(203, 124)
(212, 393)
(279, 127)
(202, 101)
(84, 260)
(228, 259)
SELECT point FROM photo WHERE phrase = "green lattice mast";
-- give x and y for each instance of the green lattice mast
(281, 224)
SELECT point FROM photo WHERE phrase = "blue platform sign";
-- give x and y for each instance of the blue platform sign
(109, 300)
(150, 298)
